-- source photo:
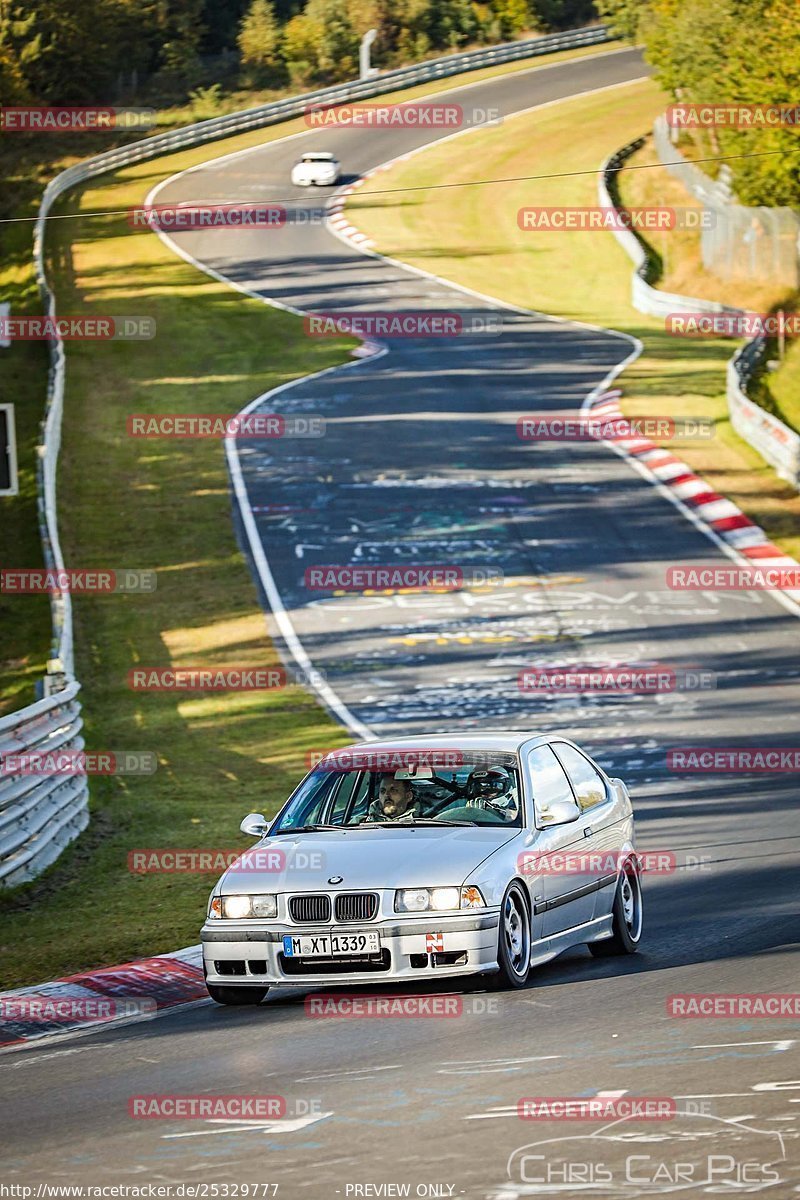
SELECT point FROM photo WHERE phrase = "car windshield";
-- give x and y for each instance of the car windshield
(480, 790)
(317, 158)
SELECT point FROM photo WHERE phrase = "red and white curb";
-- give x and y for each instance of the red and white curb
(337, 220)
(716, 513)
(108, 996)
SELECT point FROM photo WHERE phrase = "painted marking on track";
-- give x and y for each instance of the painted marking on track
(491, 1066)
(502, 1110)
(29, 1058)
(471, 1062)
(724, 1095)
(280, 1126)
(782, 1045)
(512, 1110)
(357, 1073)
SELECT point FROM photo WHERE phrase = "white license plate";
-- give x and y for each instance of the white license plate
(331, 945)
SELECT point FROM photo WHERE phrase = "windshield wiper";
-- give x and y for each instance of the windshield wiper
(401, 824)
(437, 821)
(303, 829)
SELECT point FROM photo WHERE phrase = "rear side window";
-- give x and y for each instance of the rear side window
(549, 781)
(587, 782)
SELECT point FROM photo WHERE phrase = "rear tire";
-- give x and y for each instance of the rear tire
(627, 924)
(236, 995)
(513, 941)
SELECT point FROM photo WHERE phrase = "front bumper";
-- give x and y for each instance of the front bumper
(251, 952)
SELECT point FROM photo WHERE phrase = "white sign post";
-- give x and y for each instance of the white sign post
(9, 482)
(365, 71)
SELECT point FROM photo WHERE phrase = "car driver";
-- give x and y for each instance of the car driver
(395, 799)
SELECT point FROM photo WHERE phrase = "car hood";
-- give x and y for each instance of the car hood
(370, 857)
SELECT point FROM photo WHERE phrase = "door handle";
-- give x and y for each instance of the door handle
(587, 832)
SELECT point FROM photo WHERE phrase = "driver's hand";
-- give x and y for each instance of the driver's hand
(507, 810)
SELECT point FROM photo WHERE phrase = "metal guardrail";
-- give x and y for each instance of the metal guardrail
(645, 299)
(40, 814)
(38, 819)
(767, 434)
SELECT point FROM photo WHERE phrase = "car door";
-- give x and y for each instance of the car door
(603, 831)
(562, 888)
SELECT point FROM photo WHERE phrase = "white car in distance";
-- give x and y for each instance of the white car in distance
(317, 167)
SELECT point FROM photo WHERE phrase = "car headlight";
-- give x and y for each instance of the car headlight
(438, 899)
(235, 908)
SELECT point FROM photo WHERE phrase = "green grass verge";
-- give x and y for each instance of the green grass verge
(783, 385)
(471, 235)
(24, 629)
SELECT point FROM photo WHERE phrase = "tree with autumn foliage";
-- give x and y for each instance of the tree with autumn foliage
(724, 52)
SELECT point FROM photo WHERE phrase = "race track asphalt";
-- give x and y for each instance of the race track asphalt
(421, 464)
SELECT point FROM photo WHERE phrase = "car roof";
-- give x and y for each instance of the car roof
(505, 740)
(321, 154)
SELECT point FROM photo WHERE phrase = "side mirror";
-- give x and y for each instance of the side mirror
(558, 812)
(254, 825)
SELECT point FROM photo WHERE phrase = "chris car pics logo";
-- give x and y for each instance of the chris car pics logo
(694, 1153)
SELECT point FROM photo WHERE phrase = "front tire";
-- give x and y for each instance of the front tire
(513, 940)
(236, 995)
(628, 911)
